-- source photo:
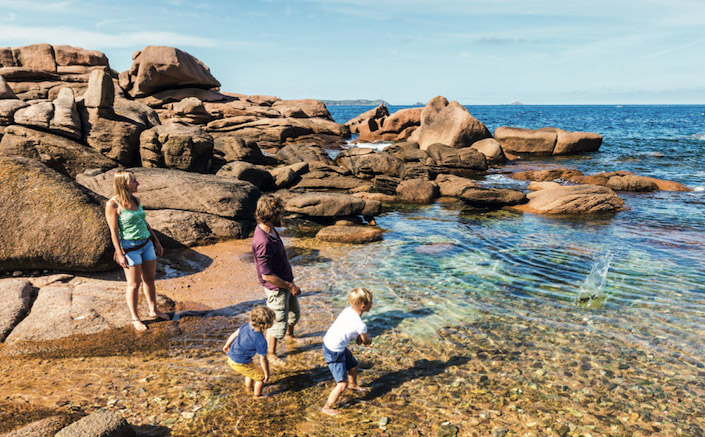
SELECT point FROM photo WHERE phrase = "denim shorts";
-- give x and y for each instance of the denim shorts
(137, 257)
(339, 363)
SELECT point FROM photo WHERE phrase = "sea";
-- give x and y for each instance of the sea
(628, 284)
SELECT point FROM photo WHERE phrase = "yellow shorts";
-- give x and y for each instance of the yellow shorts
(250, 370)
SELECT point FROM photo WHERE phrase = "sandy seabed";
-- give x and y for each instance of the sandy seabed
(495, 376)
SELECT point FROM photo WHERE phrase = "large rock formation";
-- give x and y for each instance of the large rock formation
(546, 141)
(615, 180)
(17, 296)
(178, 146)
(49, 222)
(174, 189)
(448, 123)
(39, 71)
(367, 163)
(315, 204)
(195, 228)
(156, 68)
(350, 234)
(377, 125)
(99, 423)
(61, 154)
(575, 199)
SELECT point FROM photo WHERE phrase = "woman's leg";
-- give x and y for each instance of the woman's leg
(149, 271)
(133, 275)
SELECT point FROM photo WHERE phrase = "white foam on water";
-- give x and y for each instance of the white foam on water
(699, 189)
(594, 284)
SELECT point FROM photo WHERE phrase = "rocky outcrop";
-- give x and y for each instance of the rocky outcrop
(316, 204)
(289, 174)
(546, 141)
(466, 158)
(448, 123)
(318, 179)
(5, 90)
(575, 199)
(39, 71)
(471, 193)
(377, 125)
(178, 146)
(40, 428)
(418, 191)
(99, 423)
(17, 296)
(66, 305)
(235, 148)
(302, 108)
(156, 68)
(7, 110)
(245, 171)
(49, 222)
(61, 154)
(302, 153)
(367, 163)
(410, 152)
(615, 180)
(350, 234)
(491, 149)
(196, 229)
(174, 189)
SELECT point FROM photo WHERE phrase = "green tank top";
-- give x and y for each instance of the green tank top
(133, 224)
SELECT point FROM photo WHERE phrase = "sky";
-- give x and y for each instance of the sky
(403, 51)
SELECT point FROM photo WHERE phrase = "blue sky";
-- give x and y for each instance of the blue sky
(403, 51)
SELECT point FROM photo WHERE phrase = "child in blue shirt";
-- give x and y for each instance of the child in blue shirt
(247, 341)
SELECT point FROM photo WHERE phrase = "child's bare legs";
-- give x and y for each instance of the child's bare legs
(333, 398)
(258, 389)
(258, 386)
(352, 381)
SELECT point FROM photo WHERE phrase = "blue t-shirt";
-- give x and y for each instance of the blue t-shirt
(247, 343)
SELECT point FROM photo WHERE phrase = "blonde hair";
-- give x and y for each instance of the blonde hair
(121, 180)
(261, 318)
(360, 296)
(268, 207)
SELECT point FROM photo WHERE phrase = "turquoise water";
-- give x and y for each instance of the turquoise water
(636, 275)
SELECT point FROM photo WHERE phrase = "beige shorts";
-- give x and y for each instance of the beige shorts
(286, 310)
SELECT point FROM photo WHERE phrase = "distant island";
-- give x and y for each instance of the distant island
(516, 103)
(357, 102)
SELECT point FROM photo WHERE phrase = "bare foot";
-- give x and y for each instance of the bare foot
(359, 389)
(330, 411)
(275, 360)
(262, 396)
(139, 326)
(159, 315)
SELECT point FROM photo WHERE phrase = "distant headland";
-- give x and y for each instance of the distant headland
(356, 102)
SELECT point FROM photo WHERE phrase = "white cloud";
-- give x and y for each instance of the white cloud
(18, 35)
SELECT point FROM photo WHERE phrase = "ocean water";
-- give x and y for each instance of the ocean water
(637, 276)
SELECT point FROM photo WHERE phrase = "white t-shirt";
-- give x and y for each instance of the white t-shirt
(346, 327)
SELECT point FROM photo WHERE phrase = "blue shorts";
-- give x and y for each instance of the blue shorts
(137, 257)
(339, 363)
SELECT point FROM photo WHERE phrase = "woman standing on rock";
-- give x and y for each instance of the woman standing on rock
(136, 245)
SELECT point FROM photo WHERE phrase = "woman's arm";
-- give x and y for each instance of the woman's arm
(111, 215)
(157, 244)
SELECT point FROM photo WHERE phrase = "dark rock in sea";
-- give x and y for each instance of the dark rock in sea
(49, 222)
(491, 149)
(467, 158)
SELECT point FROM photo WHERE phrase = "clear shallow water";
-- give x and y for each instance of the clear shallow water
(638, 275)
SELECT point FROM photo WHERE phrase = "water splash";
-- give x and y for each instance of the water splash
(591, 293)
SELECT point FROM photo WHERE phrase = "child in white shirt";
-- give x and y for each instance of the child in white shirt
(342, 364)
